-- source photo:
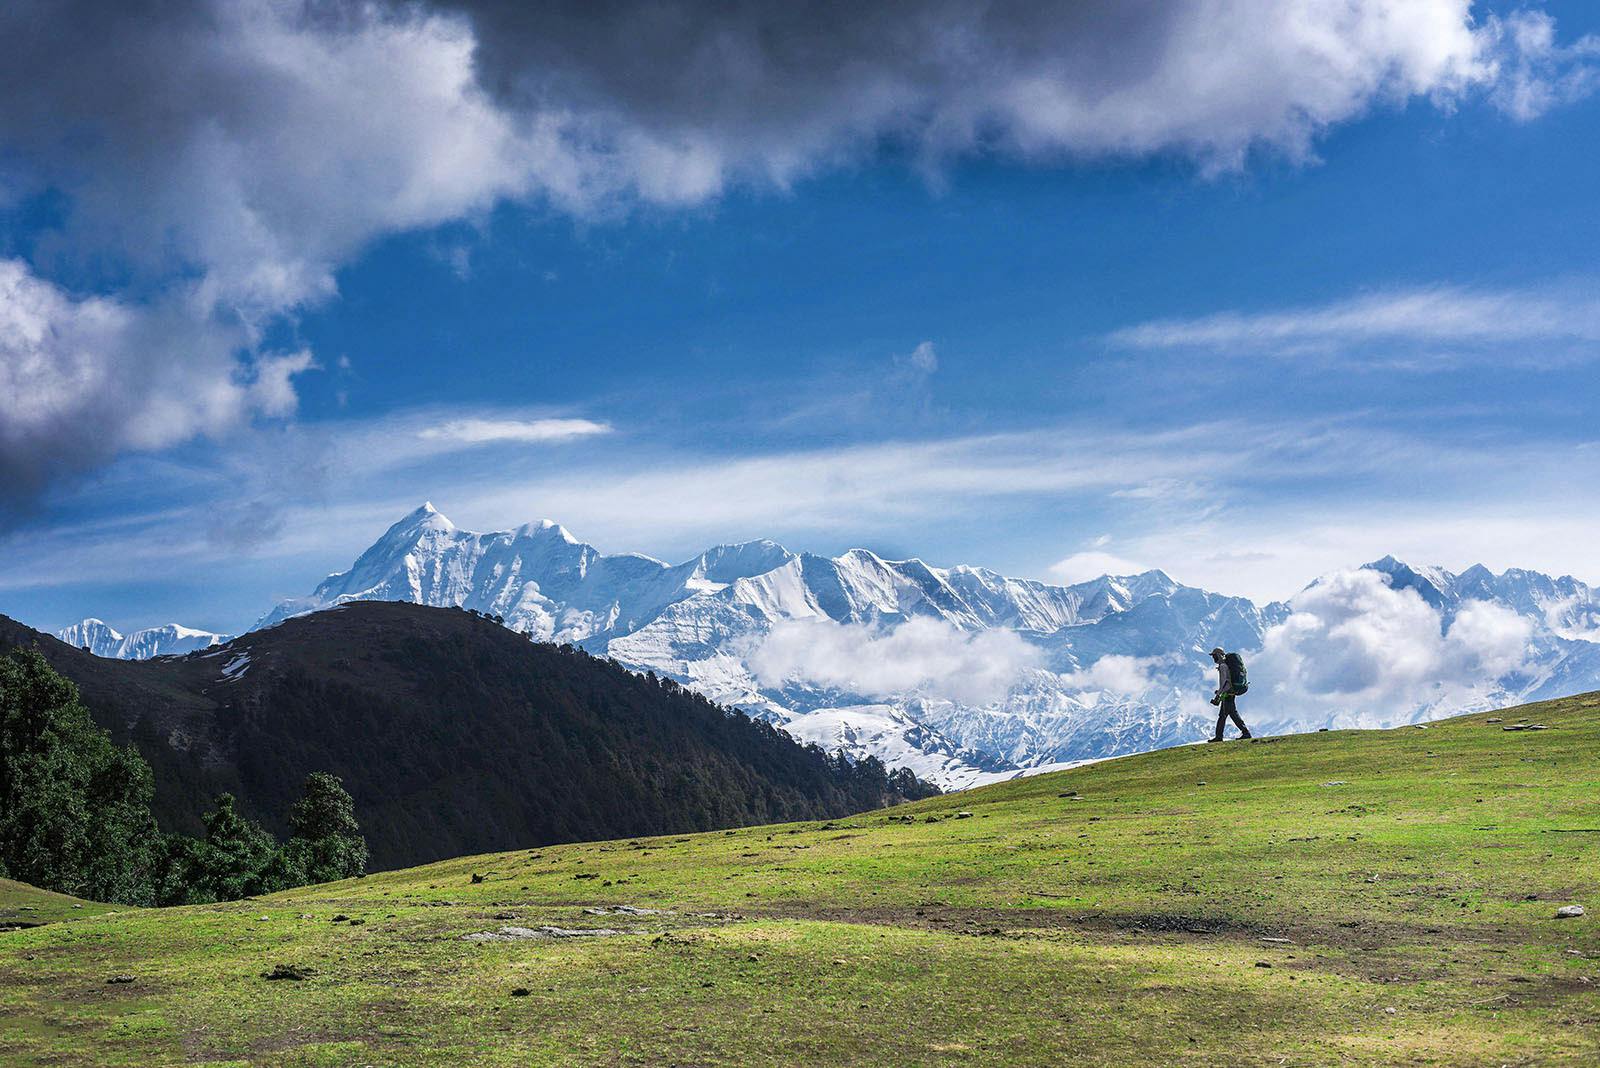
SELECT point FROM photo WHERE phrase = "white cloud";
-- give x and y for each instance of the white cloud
(1091, 564)
(1267, 551)
(924, 358)
(1114, 673)
(1439, 315)
(227, 158)
(272, 393)
(527, 431)
(1357, 649)
(1536, 73)
(926, 657)
(81, 379)
(1569, 618)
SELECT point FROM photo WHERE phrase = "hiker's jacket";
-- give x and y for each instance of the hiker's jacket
(1224, 677)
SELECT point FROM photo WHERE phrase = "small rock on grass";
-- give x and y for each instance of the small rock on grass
(963, 815)
(521, 992)
(117, 979)
(1569, 912)
(295, 972)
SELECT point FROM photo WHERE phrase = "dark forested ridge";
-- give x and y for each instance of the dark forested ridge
(453, 735)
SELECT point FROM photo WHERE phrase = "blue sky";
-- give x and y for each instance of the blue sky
(1246, 348)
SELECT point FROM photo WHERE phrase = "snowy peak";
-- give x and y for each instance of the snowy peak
(171, 639)
(424, 518)
(1561, 601)
(95, 635)
(549, 584)
(1434, 585)
(960, 673)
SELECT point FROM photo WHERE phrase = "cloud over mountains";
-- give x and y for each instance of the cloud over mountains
(208, 167)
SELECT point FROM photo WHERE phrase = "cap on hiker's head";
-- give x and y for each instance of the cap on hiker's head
(1218, 652)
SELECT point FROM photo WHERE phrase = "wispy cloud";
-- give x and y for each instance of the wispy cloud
(922, 656)
(1293, 499)
(1092, 563)
(524, 431)
(1450, 316)
(1534, 71)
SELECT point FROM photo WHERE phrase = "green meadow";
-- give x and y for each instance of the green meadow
(1358, 897)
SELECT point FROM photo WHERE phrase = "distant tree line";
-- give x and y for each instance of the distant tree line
(75, 813)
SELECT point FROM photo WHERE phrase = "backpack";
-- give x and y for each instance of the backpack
(1237, 673)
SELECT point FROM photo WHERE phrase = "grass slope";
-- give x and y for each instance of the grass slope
(22, 905)
(1353, 898)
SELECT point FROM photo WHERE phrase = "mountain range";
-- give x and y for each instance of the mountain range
(171, 639)
(966, 676)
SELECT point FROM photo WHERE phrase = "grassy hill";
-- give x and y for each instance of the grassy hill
(22, 905)
(1350, 898)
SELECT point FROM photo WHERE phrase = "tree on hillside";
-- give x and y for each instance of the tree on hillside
(326, 842)
(235, 854)
(904, 782)
(75, 813)
(74, 809)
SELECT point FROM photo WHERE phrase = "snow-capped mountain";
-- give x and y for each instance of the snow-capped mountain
(967, 676)
(101, 639)
(711, 621)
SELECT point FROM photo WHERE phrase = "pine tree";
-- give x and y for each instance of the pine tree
(74, 808)
(235, 854)
(327, 843)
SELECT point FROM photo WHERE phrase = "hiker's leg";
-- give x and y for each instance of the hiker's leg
(1230, 710)
(1222, 718)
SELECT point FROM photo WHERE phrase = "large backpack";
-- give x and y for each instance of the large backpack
(1237, 673)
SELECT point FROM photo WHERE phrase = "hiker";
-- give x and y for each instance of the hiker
(1231, 682)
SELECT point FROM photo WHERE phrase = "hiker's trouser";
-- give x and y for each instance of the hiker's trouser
(1229, 710)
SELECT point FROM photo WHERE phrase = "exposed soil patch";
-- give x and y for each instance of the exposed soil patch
(1363, 936)
(1005, 921)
